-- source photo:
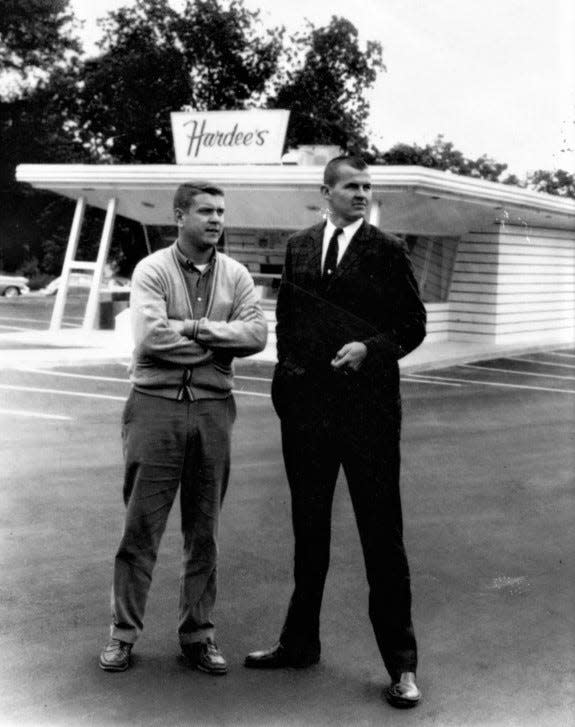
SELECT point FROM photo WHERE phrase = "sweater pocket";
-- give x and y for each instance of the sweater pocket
(213, 377)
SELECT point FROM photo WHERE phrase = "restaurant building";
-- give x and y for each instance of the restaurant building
(495, 263)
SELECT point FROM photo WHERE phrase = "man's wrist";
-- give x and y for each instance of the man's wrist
(190, 328)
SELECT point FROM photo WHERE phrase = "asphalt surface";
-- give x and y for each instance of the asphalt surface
(487, 484)
(33, 313)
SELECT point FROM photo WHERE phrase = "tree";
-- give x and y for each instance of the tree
(213, 56)
(35, 224)
(32, 131)
(156, 60)
(442, 154)
(36, 38)
(35, 35)
(326, 92)
(559, 182)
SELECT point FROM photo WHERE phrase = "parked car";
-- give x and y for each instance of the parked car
(11, 286)
(84, 280)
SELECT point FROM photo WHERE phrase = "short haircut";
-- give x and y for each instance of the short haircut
(186, 193)
(331, 171)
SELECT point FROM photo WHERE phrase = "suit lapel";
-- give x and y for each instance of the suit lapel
(314, 251)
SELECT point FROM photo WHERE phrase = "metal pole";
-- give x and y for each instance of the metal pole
(91, 316)
(375, 213)
(146, 238)
(62, 293)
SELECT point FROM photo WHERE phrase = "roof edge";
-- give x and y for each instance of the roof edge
(419, 180)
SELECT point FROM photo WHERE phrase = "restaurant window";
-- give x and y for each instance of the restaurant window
(432, 259)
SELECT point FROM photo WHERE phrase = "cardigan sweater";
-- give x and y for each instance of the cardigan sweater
(175, 351)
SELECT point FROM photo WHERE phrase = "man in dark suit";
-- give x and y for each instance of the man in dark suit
(348, 308)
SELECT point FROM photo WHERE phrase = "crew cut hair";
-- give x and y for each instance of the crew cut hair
(186, 193)
(331, 171)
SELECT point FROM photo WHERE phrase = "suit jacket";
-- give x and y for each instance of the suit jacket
(371, 297)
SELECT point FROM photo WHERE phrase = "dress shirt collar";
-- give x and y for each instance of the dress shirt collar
(348, 231)
(188, 264)
(343, 241)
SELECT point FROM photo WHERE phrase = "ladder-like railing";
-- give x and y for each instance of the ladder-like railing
(96, 268)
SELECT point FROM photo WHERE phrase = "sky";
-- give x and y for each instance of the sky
(495, 77)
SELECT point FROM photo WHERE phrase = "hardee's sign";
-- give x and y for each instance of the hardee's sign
(229, 137)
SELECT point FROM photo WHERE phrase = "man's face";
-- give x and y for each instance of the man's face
(349, 198)
(203, 223)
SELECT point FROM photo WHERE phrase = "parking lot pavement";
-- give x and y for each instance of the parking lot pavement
(33, 312)
(487, 483)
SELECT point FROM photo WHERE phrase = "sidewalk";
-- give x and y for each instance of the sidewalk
(75, 347)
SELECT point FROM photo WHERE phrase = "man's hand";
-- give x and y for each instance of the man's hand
(350, 356)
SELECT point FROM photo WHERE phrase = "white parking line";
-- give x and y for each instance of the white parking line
(250, 393)
(120, 381)
(33, 414)
(83, 394)
(12, 328)
(515, 371)
(252, 378)
(419, 380)
(47, 372)
(35, 320)
(86, 395)
(542, 363)
(259, 378)
(423, 380)
(505, 386)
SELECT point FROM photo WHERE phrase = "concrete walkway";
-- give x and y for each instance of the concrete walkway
(73, 346)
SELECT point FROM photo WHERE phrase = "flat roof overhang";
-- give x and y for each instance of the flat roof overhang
(412, 199)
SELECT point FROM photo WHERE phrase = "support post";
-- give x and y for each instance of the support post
(375, 213)
(146, 238)
(91, 315)
(62, 293)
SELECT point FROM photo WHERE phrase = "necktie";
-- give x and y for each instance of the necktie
(330, 263)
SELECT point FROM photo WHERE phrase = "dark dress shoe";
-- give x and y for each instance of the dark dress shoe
(278, 657)
(403, 693)
(205, 656)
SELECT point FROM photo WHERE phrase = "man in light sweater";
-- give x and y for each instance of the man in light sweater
(193, 309)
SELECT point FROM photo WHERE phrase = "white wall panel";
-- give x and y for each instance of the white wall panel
(512, 284)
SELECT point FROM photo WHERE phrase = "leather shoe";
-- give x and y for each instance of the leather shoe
(115, 655)
(205, 656)
(278, 657)
(403, 693)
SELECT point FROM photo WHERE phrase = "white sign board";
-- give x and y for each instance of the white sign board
(229, 137)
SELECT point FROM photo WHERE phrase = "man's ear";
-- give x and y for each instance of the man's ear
(325, 192)
(178, 215)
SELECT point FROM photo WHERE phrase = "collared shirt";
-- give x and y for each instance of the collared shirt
(198, 282)
(343, 240)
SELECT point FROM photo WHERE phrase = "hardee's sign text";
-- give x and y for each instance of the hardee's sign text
(229, 137)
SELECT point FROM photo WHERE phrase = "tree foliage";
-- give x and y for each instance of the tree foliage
(36, 39)
(35, 34)
(558, 182)
(156, 60)
(442, 155)
(326, 92)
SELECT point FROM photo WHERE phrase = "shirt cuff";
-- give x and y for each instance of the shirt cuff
(190, 329)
